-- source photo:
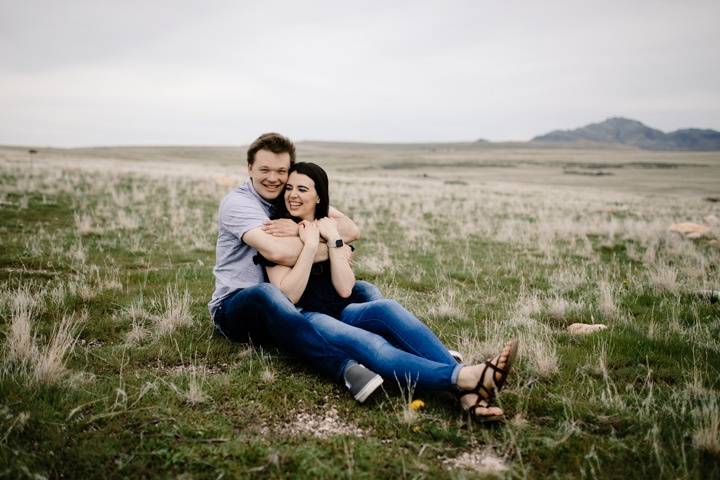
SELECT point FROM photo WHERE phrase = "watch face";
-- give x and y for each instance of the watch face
(338, 243)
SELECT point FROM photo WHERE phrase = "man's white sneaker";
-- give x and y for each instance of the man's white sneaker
(456, 355)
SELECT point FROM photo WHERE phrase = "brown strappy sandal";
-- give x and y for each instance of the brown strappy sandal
(480, 403)
(489, 393)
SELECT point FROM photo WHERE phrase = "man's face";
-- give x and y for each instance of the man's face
(269, 173)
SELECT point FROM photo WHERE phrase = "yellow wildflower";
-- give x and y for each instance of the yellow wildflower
(417, 404)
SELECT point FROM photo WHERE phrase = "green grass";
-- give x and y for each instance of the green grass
(621, 403)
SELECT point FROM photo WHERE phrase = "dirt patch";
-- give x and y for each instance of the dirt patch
(485, 462)
(323, 425)
(198, 368)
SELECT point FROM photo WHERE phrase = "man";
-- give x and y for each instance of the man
(244, 306)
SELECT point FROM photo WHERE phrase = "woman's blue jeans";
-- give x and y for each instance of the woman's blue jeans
(391, 341)
(378, 333)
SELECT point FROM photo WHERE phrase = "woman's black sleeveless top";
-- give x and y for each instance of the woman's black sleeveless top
(320, 294)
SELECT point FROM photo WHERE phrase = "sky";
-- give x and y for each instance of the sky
(127, 72)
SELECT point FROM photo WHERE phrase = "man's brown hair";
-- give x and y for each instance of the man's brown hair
(274, 142)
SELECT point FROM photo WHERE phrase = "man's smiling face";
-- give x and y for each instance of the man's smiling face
(269, 173)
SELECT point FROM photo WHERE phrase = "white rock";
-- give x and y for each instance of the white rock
(585, 328)
(690, 230)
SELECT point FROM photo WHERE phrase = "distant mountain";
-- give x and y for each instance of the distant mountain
(624, 131)
(695, 139)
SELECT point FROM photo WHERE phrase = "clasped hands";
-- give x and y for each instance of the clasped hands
(325, 228)
(311, 232)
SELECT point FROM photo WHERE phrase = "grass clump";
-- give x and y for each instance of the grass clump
(39, 364)
(174, 311)
(706, 436)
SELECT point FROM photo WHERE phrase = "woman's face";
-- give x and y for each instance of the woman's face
(300, 196)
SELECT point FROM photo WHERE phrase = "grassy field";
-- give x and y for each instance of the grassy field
(109, 366)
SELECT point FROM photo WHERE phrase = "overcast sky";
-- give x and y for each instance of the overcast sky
(221, 72)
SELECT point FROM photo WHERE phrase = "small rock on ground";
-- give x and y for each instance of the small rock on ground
(690, 230)
(585, 328)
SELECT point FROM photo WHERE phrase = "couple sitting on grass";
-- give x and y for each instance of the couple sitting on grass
(312, 305)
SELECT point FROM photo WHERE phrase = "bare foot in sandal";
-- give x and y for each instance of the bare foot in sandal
(479, 409)
(487, 378)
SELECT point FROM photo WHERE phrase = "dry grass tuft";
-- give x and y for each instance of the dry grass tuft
(111, 281)
(267, 375)
(473, 348)
(195, 393)
(695, 383)
(538, 350)
(526, 307)
(126, 221)
(77, 253)
(377, 263)
(49, 364)
(57, 295)
(406, 414)
(446, 304)
(84, 224)
(606, 300)
(707, 434)
(175, 311)
(20, 342)
(138, 318)
(137, 334)
(663, 278)
(558, 307)
(267, 371)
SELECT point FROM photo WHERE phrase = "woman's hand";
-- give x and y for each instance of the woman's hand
(293, 281)
(309, 234)
(282, 227)
(328, 229)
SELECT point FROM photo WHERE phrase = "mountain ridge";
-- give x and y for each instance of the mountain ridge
(625, 131)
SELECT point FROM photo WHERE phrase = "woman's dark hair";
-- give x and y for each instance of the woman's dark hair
(320, 178)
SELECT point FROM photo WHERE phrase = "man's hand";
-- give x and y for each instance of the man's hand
(328, 229)
(282, 227)
(346, 227)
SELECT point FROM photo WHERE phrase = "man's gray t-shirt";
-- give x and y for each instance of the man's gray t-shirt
(240, 211)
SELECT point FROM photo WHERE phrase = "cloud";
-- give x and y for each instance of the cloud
(219, 72)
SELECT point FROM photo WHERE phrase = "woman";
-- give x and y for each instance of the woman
(381, 334)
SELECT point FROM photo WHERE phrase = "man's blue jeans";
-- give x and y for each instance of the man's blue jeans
(378, 333)
(263, 314)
